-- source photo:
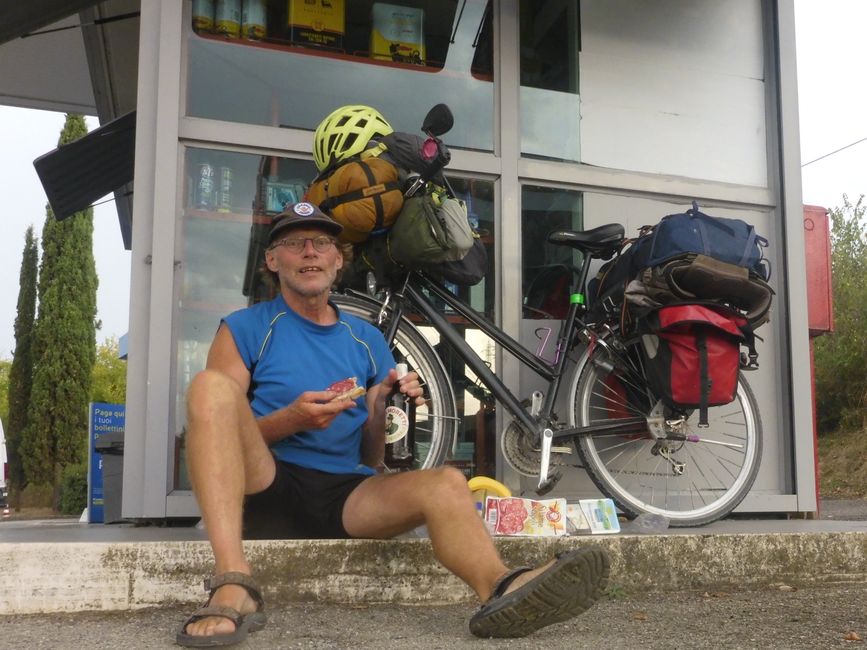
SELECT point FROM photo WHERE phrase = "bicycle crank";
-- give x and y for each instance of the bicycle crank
(545, 484)
(523, 455)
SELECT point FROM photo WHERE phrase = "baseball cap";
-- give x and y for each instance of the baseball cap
(303, 214)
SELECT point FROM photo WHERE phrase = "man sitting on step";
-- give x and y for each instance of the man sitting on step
(273, 455)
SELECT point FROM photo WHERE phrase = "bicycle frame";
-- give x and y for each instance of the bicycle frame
(411, 288)
(552, 373)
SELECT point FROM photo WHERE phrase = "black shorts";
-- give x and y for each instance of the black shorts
(301, 503)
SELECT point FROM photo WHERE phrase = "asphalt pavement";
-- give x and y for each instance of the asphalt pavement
(778, 616)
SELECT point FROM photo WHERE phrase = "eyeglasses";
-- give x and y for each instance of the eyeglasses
(322, 244)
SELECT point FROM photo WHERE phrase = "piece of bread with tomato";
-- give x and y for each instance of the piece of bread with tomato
(346, 389)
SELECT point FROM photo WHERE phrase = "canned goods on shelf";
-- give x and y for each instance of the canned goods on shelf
(227, 18)
(253, 20)
(203, 15)
(224, 189)
(204, 198)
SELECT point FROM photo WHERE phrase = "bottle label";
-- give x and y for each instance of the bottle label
(396, 424)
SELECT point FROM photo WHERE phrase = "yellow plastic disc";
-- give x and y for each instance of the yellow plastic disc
(482, 487)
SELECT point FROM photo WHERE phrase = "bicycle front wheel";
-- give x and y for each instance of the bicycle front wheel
(690, 475)
(437, 421)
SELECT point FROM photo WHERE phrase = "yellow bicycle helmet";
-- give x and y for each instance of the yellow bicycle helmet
(346, 132)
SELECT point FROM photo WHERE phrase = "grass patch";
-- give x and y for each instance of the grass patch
(843, 465)
(615, 592)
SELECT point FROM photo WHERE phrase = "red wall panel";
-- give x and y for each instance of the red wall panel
(817, 241)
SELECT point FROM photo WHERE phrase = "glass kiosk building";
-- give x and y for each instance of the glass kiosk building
(568, 114)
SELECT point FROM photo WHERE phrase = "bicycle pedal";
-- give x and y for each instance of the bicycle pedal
(548, 485)
(561, 450)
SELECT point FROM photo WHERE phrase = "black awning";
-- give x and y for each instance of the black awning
(77, 174)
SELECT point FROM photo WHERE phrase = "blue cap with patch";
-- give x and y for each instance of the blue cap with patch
(304, 215)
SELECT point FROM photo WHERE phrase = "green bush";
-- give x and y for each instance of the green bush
(841, 357)
(73, 489)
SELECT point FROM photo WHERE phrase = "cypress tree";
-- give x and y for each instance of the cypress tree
(64, 340)
(21, 373)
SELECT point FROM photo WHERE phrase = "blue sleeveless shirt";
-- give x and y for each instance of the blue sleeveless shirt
(287, 355)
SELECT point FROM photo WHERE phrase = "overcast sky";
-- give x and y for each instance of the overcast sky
(833, 97)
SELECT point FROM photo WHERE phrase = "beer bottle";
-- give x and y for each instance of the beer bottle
(399, 425)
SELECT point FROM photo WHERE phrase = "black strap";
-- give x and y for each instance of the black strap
(704, 378)
(373, 187)
(507, 579)
(235, 578)
(750, 341)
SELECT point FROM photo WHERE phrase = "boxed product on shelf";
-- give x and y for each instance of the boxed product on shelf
(397, 33)
(320, 24)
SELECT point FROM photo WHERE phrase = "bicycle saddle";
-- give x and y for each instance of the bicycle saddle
(601, 241)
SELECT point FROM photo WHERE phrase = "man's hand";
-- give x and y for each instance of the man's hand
(373, 440)
(409, 385)
(315, 410)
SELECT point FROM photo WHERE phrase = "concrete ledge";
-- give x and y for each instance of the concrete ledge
(72, 577)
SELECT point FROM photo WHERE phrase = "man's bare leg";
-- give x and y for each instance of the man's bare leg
(227, 459)
(386, 505)
(390, 504)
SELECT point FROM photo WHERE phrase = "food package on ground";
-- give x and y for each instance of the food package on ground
(592, 517)
(526, 517)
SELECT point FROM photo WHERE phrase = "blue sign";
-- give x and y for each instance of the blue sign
(104, 419)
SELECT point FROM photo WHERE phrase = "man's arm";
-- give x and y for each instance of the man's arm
(310, 411)
(224, 357)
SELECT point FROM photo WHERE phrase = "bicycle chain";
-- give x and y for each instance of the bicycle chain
(518, 450)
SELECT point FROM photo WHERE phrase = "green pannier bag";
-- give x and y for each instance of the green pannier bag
(430, 228)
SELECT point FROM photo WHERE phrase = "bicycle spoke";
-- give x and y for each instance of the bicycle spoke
(617, 408)
(655, 470)
(615, 446)
(616, 400)
(631, 460)
(719, 460)
(697, 469)
(608, 449)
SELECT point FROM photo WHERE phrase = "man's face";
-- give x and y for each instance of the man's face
(307, 272)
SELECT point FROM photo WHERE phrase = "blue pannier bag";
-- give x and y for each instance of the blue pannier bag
(727, 240)
(690, 257)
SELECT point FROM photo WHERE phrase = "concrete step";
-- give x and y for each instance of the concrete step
(44, 577)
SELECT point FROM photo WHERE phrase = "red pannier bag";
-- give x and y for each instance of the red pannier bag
(693, 355)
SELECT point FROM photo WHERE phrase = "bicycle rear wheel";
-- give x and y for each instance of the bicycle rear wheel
(693, 480)
(436, 421)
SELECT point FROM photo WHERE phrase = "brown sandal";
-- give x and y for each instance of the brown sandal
(571, 585)
(244, 623)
